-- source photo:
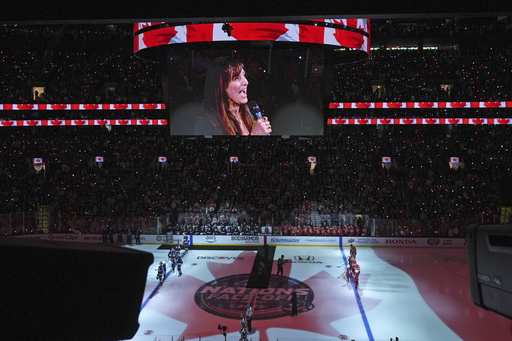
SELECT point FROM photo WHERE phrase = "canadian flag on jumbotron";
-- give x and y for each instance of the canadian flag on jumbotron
(37, 161)
(386, 159)
(162, 159)
(454, 159)
(233, 159)
(98, 159)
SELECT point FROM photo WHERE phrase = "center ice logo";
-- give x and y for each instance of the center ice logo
(228, 296)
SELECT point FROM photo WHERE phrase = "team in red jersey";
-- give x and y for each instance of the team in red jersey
(324, 230)
(353, 269)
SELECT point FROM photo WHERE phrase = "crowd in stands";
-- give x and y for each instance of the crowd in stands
(273, 184)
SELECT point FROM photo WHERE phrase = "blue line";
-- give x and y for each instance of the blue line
(358, 299)
(157, 287)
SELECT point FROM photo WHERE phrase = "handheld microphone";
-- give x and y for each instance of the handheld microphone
(255, 109)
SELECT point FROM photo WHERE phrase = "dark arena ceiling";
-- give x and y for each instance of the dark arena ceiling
(95, 11)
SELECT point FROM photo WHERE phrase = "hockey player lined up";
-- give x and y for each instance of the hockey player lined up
(356, 270)
(353, 270)
(161, 273)
(172, 259)
(351, 260)
(243, 328)
(186, 243)
(353, 250)
(177, 248)
(179, 262)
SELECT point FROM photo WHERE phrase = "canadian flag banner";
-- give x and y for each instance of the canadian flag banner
(311, 158)
(419, 121)
(421, 105)
(162, 159)
(454, 159)
(386, 159)
(98, 159)
(349, 33)
(233, 159)
(81, 122)
(37, 161)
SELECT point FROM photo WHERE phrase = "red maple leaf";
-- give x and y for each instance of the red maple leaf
(59, 106)
(492, 104)
(408, 120)
(7, 123)
(503, 121)
(340, 121)
(120, 106)
(431, 120)
(385, 121)
(458, 104)
(478, 120)
(362, 121)
(394, 105)
(25, 106)
(349, 38)
(150, 106)
(179, 293)
(159, 36)
(91, 106)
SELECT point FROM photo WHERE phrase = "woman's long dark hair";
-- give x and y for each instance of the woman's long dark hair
(221, 71)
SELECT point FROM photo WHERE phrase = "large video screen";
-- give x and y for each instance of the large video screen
(249, 78)
(282, 87)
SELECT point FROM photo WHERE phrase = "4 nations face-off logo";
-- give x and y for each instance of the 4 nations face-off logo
(227, 296)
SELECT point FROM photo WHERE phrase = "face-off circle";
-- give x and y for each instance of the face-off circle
(228, 296)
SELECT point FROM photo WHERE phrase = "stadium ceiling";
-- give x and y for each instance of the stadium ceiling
(128, 11)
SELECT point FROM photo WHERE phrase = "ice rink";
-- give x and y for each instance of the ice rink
(407, 293)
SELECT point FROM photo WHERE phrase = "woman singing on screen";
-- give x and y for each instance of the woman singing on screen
(225, 102)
